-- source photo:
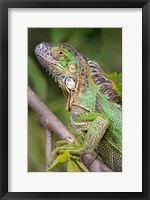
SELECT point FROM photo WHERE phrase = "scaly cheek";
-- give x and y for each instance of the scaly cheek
(63, 63)
(60, 68)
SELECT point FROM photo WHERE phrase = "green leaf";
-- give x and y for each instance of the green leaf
(120, 77)
(62, 159)
(113, 76)
(117, 79)
(58, 161)
(72, 166)
(82, 166)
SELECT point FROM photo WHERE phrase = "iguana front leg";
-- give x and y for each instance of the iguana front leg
(94, 124)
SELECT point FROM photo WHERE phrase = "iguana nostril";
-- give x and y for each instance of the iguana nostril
(42, 47)
(39, 47)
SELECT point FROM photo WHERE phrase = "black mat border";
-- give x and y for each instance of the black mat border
(4, 6)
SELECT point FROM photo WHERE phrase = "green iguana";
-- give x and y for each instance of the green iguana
(95, 107)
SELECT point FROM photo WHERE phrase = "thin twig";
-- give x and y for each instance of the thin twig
(51, 122)
(48, 146)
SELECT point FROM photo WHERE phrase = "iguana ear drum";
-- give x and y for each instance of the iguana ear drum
(70, 83)
(72, 67)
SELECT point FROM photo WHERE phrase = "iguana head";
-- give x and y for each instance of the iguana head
(64, 63)
(73, 70)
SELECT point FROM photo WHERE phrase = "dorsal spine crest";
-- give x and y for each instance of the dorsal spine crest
(106, 86)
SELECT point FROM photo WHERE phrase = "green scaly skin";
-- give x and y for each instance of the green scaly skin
(92, 100)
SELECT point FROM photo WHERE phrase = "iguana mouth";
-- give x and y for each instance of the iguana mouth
(43, 54)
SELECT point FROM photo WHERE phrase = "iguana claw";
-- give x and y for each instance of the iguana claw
(72, 148)
(61, 143)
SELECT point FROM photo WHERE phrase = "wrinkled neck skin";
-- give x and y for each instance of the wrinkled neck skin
(82, 80)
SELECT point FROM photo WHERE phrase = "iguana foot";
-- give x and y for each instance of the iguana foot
(61, 143)
(63, 146)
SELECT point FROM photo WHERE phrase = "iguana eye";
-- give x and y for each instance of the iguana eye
(70, 83)
(61, 53)
(72, 67)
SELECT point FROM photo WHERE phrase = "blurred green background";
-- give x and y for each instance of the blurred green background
(103, 45)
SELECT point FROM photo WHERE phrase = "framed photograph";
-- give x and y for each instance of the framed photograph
(74, 99)
(77, 79)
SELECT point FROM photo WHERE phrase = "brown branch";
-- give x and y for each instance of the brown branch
(95, 165)
(47, 117)
(48, 146)
(51, 122)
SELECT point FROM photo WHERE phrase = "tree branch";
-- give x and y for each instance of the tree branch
(51, 122)
(47, 117)
(48, 146)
